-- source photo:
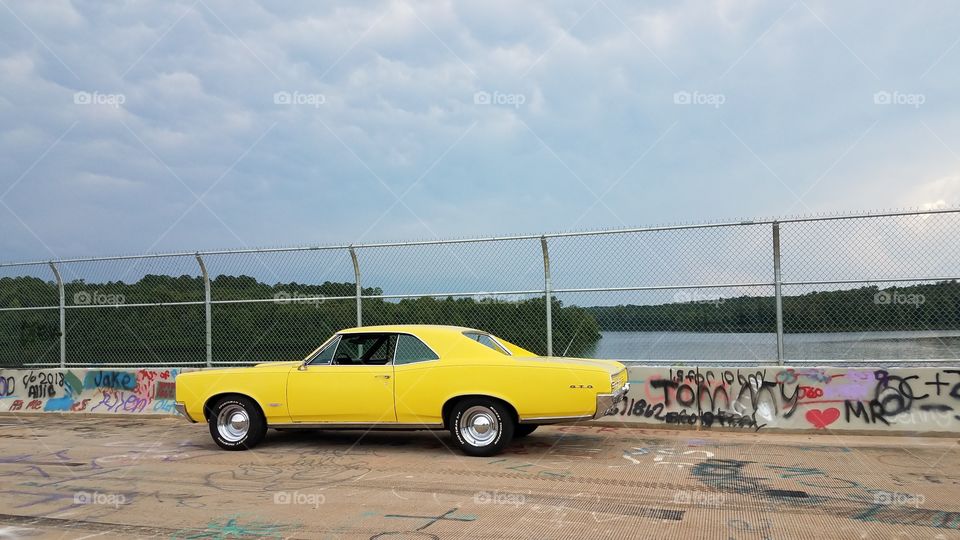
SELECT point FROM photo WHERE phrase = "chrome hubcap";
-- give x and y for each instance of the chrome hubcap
(479, 426)
(233, 422)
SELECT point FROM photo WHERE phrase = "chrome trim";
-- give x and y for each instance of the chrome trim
(308, 361)
(607, 403)
(181, 408)
(544, 420)
(503, 350)
(310, 357)
(233, 423)
(355, 425)
(418, 338)
(479, 426)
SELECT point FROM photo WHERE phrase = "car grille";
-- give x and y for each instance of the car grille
(618, 380)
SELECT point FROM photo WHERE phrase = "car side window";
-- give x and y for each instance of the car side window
(365, 349)
(487, 339)
(325, 355)
(410, 349)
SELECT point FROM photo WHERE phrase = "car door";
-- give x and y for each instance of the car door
(350, 381)
(419, 386)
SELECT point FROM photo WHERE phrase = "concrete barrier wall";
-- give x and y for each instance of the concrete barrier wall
(109, 391)
(815, 399)
(808, 399)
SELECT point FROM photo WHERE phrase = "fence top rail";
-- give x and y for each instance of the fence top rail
(676, 227)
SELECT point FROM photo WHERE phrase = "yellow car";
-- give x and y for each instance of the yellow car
(483, 389)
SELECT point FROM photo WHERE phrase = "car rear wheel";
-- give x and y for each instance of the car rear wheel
(481, 427)
(236, 423)
(522, 430)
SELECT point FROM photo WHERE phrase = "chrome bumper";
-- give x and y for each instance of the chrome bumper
(182, 411)
(607, 403)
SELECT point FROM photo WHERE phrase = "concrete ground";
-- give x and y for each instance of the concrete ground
(113, 477)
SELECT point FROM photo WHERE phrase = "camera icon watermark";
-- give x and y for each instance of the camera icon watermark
(294, 298)
(499, 98)
(698, 499)
(97, 498)
(296, 497)
(97, 298)
(500, 498)
(892, 498)
(299, 98)
(686, 97)
(893, 298)
(884, 97)
(96, 98)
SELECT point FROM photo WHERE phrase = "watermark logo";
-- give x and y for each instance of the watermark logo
(884, 97)
(296, 497)
(299, 98)
(97, 298)
(890, 498)
(97, 498)
(893, 298)
(698, 499)
(96, 98)
(287, 298)
(942, 418)
(500, 498)
(499, 98)
(685, 97)
(697, 297)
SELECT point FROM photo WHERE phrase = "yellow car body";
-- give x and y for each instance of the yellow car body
(411, 394)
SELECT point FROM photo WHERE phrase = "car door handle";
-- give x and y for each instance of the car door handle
(382, 376)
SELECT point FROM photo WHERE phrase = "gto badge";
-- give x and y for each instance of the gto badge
(581, 386)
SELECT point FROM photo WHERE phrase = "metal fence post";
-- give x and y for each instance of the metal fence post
(777, 290)
(356, 276)
(206, 310)
(547, 296)
(63, 315)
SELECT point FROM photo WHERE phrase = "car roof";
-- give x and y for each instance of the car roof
(411, 328)
(438, 336)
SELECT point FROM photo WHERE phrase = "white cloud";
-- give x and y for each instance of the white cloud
(399, 80)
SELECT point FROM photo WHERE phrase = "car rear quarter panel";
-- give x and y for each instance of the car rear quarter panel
(535, 391)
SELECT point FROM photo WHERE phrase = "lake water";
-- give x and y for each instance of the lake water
(762, 348)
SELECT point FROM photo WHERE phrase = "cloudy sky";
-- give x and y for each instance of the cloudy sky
(153, 126)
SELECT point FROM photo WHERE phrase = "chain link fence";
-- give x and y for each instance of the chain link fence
(839, 289)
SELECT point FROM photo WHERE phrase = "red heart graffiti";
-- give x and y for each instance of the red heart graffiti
(823, 418)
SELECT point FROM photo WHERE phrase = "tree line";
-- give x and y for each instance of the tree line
(931, 306)
(287, 322)
(291, 319)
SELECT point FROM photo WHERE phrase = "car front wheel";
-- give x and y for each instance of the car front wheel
(481, 427)
(236, 423)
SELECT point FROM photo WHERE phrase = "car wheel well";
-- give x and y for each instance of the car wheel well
(452, 402)
(208, 406)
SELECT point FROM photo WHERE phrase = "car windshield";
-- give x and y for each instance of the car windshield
(325, 355)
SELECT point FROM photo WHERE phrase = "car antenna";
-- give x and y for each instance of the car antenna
(573, 338)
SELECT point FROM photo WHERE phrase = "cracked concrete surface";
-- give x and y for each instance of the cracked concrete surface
(73, 477)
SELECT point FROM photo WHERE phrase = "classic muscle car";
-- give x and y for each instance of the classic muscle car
(481, 388)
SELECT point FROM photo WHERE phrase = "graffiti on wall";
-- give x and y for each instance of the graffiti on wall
(813, 398)
(76, 390)
(896, 399)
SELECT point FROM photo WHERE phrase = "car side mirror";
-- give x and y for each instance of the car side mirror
(302, 366)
